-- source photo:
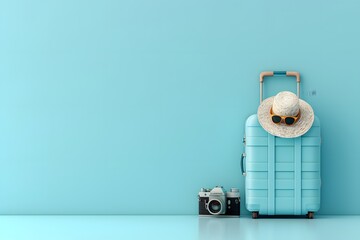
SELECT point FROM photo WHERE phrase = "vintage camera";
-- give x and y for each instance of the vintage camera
(217, 202)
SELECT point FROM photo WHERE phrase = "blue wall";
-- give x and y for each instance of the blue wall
(131, 106)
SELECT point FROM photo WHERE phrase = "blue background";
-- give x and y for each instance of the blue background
(129, 107)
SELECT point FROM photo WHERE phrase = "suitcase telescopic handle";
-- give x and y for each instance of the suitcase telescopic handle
(242, 164)
(279, 73)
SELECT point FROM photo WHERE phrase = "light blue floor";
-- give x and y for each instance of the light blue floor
(176, 227)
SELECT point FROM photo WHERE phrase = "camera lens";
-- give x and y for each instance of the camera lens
(214, 207)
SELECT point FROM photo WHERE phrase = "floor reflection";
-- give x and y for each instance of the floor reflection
(218, 228)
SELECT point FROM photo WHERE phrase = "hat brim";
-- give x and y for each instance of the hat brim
(299, 128)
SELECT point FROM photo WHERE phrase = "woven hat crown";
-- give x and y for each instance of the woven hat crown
(286, 104)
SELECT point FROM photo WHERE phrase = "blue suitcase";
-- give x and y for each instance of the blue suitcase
(282, 175)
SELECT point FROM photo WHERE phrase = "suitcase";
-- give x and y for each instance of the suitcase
(282, 175)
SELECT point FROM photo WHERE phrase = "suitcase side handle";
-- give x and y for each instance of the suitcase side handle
(279, 73)
(242, 164)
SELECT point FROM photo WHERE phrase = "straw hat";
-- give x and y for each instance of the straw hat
(285, 104)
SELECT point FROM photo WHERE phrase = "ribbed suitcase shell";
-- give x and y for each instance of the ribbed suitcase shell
(282, 174)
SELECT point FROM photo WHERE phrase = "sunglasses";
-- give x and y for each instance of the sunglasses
(286, 119)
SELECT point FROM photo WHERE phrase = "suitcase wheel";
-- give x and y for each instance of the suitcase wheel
(310, 215)
(255, 215)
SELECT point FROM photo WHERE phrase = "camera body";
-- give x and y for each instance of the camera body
(218, 202)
